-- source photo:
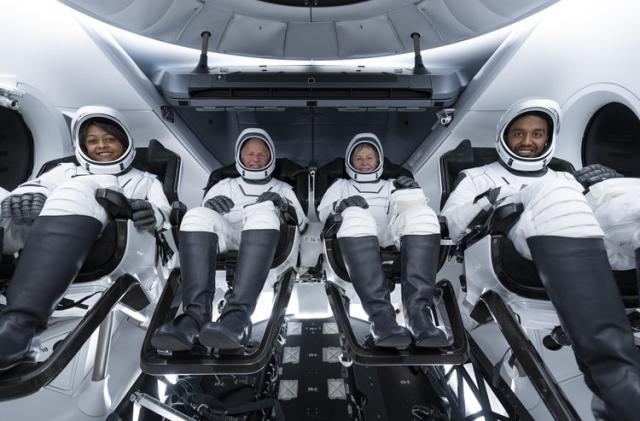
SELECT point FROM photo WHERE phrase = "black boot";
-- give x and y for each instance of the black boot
(418, 268)
(55, 250)
(233, 329)
(578, 279)
(361, 257)
(198, 254)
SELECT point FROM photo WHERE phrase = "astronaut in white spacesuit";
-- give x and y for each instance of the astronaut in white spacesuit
(375, 213)
(55, 219)
(559, 232)
(243, 214)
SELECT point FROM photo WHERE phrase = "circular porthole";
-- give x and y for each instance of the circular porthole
(16, 149)
(612, 138)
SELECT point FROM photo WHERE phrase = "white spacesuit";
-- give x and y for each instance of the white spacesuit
(55, 218)
(243, 214)
(386, 212)
(616, 205)
(560, 233)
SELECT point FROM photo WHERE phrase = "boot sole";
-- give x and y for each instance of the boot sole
(167, 342)
(432, 343)
(397, 342)
(28, 361)
(218, 340)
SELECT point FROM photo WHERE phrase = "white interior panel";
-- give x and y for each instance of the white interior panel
(370, 37)
(302, 40)
(254, 37)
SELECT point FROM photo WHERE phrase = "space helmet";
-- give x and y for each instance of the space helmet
(99, 113)
(251, 174)
(545, 108)
(353, 173)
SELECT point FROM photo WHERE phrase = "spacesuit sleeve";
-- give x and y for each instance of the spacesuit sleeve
(293, 200)
(161, 206)
(46, 183)
(460, 208)
(333, 193)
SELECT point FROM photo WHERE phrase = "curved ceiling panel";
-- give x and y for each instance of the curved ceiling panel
(256, 28)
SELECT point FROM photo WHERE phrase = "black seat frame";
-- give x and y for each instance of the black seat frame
(456, 353)
(249, 360)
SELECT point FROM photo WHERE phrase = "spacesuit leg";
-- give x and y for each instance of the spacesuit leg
(578, 279)
(616, 206)
(419, 232)
(554, 207)
(258, 243)
(198, 245)
(358, 241)
(60, 240)
(565, 241)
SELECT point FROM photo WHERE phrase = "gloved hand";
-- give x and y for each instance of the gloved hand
(358, 201)
(23, 208)
(404, 182)
(592, 174)
(220, 204)
(142, 214)
(277, 200)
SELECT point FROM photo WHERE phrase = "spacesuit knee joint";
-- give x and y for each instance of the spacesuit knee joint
(261, 216)
(201, 219)
(76, 197)
(357, 222)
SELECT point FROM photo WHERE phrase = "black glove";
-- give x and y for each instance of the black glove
(277, 200)
(142, 214)
(220, 204)
(358, 201)
(592, 174)
(404, 182)
(23, 208)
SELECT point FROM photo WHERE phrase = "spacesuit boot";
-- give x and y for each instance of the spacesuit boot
(255, 256)
(50, 260)
(361, 257)
(418, 266)
(578, 279)
(198, 254)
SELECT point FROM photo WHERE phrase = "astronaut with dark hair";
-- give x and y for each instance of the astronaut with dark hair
(241, 213)
(559, 232)
(377, 212)
(55, 219)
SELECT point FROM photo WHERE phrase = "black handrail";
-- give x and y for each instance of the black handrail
(155, 363)
(491, 306)
(484, 369)
(456, 353)
(19, 383)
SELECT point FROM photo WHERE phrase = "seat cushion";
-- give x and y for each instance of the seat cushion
(519, 275)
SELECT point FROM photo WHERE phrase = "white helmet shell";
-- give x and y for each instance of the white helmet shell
(356, 175)
(511, 159)
(117, 166)
(249, 173)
